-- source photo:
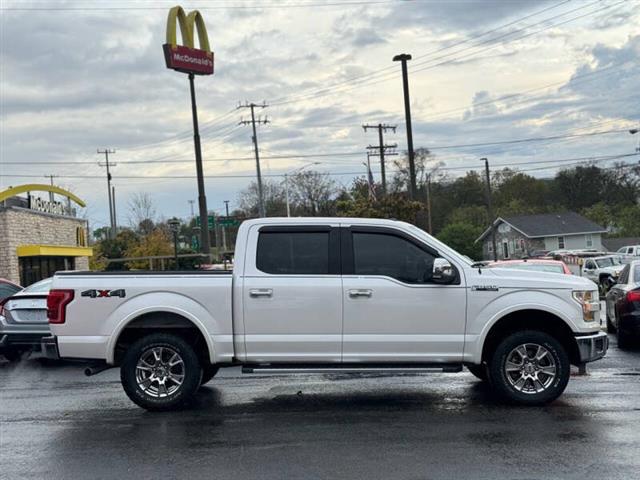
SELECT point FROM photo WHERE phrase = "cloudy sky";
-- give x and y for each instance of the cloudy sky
(80, 75)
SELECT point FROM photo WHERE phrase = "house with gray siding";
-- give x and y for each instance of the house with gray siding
(520, 235)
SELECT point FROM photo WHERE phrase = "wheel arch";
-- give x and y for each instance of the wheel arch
(530, 319)
(164, 319)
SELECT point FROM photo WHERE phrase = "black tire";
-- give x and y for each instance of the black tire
(12, 354)
(610, 327)
(479, 371)
(555, 359)
(208, 372)
(624, 342)
(157, 398)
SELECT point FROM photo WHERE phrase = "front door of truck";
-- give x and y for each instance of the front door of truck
(292, 295)
(394, 309)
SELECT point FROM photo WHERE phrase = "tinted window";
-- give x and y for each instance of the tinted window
(7, 290)
(382, 254)
(293, 253)
(636, 275)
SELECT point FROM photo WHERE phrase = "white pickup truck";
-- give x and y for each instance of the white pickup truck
(326, 295)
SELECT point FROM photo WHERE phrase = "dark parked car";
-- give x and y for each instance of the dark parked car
(23, 320)
(623, 306)
(8, 288)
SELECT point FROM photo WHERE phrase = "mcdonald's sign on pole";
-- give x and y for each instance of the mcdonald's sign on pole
(193, 61)
(186, 58)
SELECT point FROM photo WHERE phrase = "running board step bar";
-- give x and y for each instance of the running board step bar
(351, 368)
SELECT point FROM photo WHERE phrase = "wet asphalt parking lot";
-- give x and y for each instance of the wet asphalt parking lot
(57, 423)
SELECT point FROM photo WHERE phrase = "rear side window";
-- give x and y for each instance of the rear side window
(392, 256)
(6, 290)
(636, 274)
(293, 253)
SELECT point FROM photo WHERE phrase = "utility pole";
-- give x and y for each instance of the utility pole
(115, 217)
(253, 106)
(403, 58)
(490, 208)
(205, 244)
(382, 149)
(51, 177)
(106, 163)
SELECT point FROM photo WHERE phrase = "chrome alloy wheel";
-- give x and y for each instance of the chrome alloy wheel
(530, 368)
(160, 372)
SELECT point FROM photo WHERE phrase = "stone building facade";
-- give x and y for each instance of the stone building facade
(34, 244)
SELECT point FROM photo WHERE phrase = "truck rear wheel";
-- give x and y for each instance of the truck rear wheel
(160, 372)
(529, 368)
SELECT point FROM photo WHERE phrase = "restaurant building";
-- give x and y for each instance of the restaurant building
(40, 233)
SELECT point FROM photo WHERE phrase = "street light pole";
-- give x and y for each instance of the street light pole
(490, 208)
(286, 182)
(205, 246)
(403, 58)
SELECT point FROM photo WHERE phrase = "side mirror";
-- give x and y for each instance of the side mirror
(443, 272)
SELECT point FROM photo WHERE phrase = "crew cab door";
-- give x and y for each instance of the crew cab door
(590, 270)
(292, 294)
(394, 311)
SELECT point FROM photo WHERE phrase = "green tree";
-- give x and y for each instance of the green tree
(462, 237)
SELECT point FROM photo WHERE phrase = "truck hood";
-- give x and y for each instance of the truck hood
(615, 270)
(512, 278)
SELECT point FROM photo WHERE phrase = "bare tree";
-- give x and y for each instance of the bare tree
(312, 193)
(142, 212)
(274, 199)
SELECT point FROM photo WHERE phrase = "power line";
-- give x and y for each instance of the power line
(577, 161)
(322, 155)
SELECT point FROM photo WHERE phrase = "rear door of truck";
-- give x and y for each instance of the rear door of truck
(292, 294)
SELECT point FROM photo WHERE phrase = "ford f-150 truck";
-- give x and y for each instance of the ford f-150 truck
(326, 295)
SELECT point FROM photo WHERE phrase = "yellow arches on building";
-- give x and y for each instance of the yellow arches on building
(39, 187)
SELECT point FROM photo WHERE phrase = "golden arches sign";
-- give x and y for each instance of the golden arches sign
(38, 187)
(186, 58)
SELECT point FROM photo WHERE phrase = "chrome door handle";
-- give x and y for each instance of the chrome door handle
(261, 292)
(360, 292)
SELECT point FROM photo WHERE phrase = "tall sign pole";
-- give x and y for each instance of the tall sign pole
(403, 58)
(193, 61)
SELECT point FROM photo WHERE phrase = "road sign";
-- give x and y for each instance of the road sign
(228, 221)
(211, 220)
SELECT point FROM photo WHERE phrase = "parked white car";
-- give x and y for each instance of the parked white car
(327, 295)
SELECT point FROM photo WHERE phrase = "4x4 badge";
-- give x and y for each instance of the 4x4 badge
(103, 293)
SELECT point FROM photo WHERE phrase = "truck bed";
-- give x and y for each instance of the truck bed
(105, 302)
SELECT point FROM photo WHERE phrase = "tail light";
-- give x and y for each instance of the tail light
(2, 304)
(57, 302)
(633, 296)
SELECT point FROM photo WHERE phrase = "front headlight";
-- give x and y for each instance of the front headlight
(590, 302)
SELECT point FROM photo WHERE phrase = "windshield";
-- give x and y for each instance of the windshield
(43, 286)
(538, 267)
(605, 262)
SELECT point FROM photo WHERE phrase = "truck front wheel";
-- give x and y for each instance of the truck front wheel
(529, 368)
(160, 372)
